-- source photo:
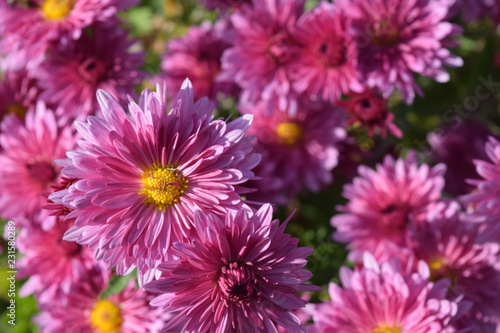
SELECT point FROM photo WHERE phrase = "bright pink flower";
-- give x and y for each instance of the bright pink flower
(262, 45)
(325, 65)
(30, 149)
(397, 38)
(18, 93)
(143, 175)
(73, 73)
(385, 297)
(29, 30)
(382, 203)
(238, 274)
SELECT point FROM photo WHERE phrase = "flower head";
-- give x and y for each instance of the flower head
(223, 4)
(18, 93)
(143, 175)
(238, 274)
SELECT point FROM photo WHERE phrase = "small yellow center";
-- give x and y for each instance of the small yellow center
(106, 317)
(17, 109)
(57, 9)
(289, 133)
(163, 186)
(384, 328)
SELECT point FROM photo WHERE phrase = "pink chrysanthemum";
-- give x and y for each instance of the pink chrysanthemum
(30, 149)
(197, 56)
(71, 76)
(262, 45)
(381, 204)
(325, 65)
(474, 10)
(301, 137)
(18, 93)
(29, 28)
(223, 4)
(52, 264)
(449, 246)
(84, 311)
(235, 275)
(385, 298)
(397, 38)
(369, 110)
(142, 176)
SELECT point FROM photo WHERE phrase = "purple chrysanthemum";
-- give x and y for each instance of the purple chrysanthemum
(302, 139)
(381, 204)
(397, 38)
(83, 311)
(325, 65)
(223, 4)
(385, 298)
(52, 264)
(72, 74)
(30, 148)
(197, 56)
(142, 176)
(29, 28)
(18, 93)
(238, 274)
(261, 50)
(474, 10)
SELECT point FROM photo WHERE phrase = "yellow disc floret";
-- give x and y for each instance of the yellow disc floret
(163, 186)
(57, 9)
(106, 317)
(289, 133)
(17, 109)
(386, 329)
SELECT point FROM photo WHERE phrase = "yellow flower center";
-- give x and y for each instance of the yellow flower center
(57, 9)
(386, 329)
(106, 317)
(289, 133)
(17, 109)
(163, 186)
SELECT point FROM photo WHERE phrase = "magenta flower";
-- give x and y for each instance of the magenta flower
(238, 274)
(85, 312)
(30, 30)
(301, 138)
(382, 203)
(18, 93)
(397, 38)
(223, 4)
(383, 298)
(71, 76)
(325, 65)
(30, 148)
(52, 264)
(142, 176)
(262, 48)
(197, 56)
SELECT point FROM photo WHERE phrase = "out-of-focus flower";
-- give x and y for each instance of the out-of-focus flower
(143, 175)
(238, 274)
(223, 4)
(18, 93)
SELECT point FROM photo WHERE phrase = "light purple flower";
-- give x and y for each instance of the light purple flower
(238, 274)
(143, 175)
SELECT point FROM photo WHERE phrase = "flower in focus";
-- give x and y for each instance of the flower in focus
(382, 203)
(18, 93)
(238, 274)
(142, 176)
(397, 38)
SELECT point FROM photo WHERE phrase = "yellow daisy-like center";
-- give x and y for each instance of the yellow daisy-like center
(289, 133)
(17, 109)
(384, 328)
(106, 317)
(163, 186)
(57, 9)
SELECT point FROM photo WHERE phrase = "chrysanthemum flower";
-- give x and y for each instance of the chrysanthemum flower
(30, 148)
(369, 110)
(30, 27)
(73, 73)
(325, 65)
(381, 204)
(52, 264)
(301, 137)
(83, 311)
(197, 56)
(238, 274)
(385, 298)
(397, 38)
(223, 4)
(18, 93)
(262, 45)
(474, 10)
(142, 176)
(449, 246)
